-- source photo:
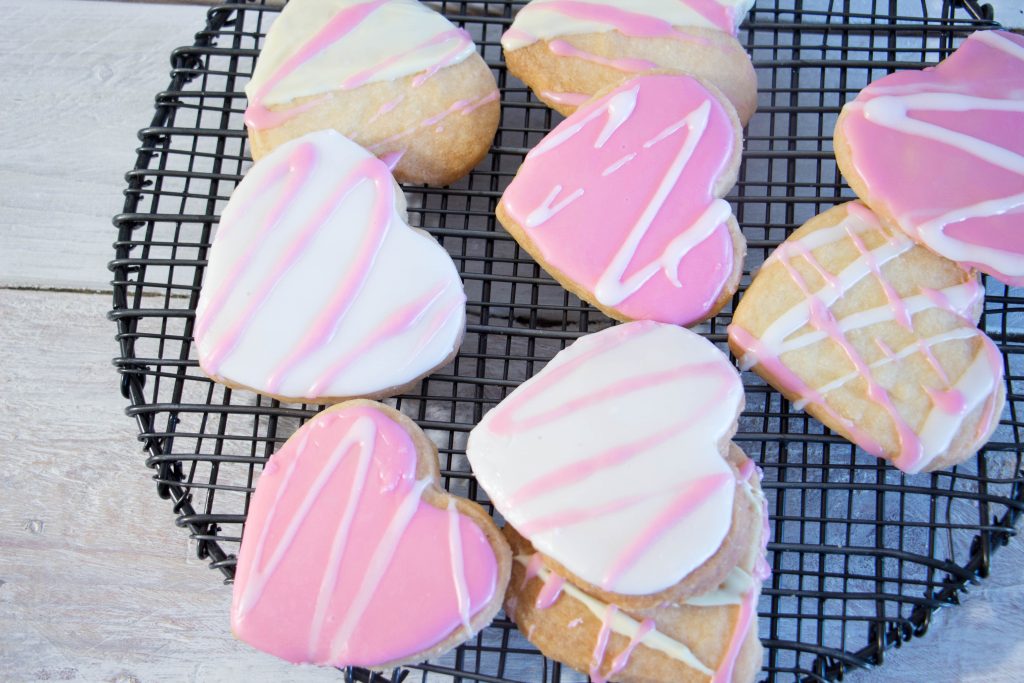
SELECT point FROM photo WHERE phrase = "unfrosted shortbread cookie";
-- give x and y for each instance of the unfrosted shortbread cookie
(876, 337)
(622, 202)
(317, 289)
(393, 75)
(568, 50)
(348, 527)
(939, 153)
(612, 461)
(708, 637)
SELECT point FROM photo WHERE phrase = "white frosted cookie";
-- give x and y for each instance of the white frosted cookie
(393, 75)
(317, 289)
(667, 248)
(612, 462)
(876, 337)
(568, 50)
(349, 525)
(707, 637)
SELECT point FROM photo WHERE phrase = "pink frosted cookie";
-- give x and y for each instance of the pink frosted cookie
(612, 461)
(354, 555)
(876, 337)
(622, 202)
(317, 289)
(393, 75)
(940, 153)
(568, 50)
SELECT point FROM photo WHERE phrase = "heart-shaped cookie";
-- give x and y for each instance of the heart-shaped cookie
(317, 288)
(611, 461)
(876, 337)
(940, 153)
(621, 202)
(353, 554)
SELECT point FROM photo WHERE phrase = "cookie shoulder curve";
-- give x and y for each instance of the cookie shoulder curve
(299, 299)
(347, 526)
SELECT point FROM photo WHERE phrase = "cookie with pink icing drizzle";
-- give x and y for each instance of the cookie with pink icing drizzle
(939, 153)
(876, 337)
(668, 248)
(569, 50)
(611, 461)
(348, 527)
(393, 75)
(317, 289)
(711, 637)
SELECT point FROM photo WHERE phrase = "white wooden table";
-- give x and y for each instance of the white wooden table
(96, 583)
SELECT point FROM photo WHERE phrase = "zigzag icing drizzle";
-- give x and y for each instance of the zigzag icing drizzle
(639, 409)
(547, 19)
(918, 445)
(347, 481)
(316, 46)
(664, 250)
(960, 124)
(300, 297)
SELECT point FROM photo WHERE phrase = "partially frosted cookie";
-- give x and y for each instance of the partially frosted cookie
(317, 289)
(876, 337)
(348, 527)
(940, 153)
(622, 202)
(612, 461)
(393, 75)
(568, 50)
(708, 637)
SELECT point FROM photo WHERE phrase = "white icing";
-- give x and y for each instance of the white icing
(669, 432)
(625, 625)
(736, 585)
(550, 208)
(407, 267)
(400, 38)
(536, 22)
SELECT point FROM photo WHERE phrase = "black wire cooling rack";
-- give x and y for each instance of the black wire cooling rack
(862, 555)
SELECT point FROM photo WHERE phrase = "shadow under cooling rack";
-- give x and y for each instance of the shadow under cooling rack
(862, 555)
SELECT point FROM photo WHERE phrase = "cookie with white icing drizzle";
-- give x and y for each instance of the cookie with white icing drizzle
(876, 337)
(569, 50)
(939, 153)
(709, 637)
(317, 289)
(348, 527)
(393, 75)
(666, 147)
(612, 462)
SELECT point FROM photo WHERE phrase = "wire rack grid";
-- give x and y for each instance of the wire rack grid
(862, 555)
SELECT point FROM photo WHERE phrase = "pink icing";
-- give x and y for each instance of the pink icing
(622, 659)
(630, 23)
(910, 456)
(663, 251)
(550, 591)
(941, 151)
(338, 541)
(747, 611)
(601, 645)
(627, 64)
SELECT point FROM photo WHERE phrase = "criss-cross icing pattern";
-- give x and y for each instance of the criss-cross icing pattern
(942, 152)
(610, 459)
(663, 250)
(812, 322)
(317, 287)
(338, 541)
